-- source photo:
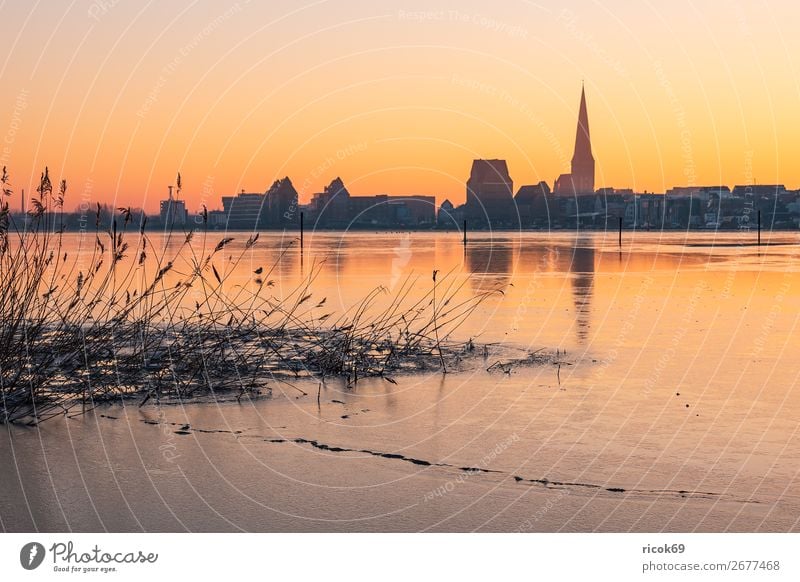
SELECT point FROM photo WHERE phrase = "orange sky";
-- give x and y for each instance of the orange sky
(393, 97)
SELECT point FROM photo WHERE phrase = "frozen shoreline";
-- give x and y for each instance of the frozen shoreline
(288, 464)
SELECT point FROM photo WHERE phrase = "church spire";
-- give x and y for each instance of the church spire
(582, 159)
(581, 180)
(583, 145)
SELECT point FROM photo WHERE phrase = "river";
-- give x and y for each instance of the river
(671, 404)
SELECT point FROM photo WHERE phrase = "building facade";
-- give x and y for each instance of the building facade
(172, 212)
(490, 197)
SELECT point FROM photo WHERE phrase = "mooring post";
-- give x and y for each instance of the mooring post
(759, 228)
(465, 233)
(301, 231)
(620, 232)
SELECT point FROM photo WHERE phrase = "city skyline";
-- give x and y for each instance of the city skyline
(491, 202)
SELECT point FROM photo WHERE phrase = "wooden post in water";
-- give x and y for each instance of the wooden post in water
(620, 232)
(465, 233)
(759, 228)
(301, 231)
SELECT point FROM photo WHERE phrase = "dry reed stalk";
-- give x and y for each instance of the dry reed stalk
(132, 320)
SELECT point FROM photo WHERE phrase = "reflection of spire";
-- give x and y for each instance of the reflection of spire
(582, 267)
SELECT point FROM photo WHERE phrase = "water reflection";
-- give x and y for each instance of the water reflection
(335, 252)
(496, 264)
(491, 264)
(582, 267)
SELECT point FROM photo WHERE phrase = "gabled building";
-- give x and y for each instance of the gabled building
(331, 206)
(536, 206)
(282, 205)
(490, 198)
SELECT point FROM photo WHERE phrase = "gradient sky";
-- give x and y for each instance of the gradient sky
(116, 96)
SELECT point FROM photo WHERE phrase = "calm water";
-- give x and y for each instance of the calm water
(676, 407)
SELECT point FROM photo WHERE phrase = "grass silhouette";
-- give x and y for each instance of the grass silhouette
(127, 319)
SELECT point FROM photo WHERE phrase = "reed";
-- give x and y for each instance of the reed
(127, 319)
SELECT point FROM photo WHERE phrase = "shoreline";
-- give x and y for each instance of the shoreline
(323, 459)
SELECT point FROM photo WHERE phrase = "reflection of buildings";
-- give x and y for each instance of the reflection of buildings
(493, 263)
(339, 256)
(490, 262)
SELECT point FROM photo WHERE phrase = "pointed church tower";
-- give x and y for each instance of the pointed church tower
(581, 179)
(582, 159)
